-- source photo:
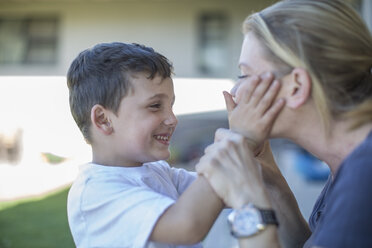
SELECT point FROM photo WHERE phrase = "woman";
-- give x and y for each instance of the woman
(321, 52)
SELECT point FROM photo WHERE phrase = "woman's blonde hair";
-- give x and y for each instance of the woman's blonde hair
(328, 39)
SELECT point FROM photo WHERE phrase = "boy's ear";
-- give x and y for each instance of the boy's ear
(100, 119)
(299, 88)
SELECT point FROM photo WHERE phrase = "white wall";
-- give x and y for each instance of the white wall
(39, 107)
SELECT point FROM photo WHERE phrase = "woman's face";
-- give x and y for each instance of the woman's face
(252, 62)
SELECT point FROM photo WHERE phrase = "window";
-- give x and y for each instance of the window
(356, 4)
(364, 8)
(213, 39)
(28, 40)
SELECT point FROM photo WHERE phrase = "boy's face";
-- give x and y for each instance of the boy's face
(145, 121)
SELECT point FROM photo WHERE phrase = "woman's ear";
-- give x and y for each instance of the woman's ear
(100, 119)
(299, 89)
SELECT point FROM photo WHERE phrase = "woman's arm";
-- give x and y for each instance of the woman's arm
(240, 178)
(294, 230)
(236, 176)
(266, 239)
(255, 101)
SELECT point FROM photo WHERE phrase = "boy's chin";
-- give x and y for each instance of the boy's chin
(165, 157)
(162, 156)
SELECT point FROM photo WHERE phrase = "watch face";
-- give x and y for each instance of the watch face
(246, 222)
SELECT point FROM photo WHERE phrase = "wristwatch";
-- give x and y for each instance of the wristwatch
(250, 220)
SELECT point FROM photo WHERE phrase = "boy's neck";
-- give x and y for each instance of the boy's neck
(108, 159)
(106, 162)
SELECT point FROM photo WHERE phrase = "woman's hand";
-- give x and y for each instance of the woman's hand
(254, 111)
(233, 172)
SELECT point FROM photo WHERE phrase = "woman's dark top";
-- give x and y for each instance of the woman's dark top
(342, 215)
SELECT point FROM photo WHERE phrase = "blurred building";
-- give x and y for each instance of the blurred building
(202, 37)
(41, 37)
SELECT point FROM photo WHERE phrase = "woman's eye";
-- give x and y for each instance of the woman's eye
(243, 76)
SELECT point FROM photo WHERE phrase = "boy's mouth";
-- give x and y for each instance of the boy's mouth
(163, 138)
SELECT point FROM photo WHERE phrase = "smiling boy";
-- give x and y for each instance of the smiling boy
(121, 97)
(143, 124)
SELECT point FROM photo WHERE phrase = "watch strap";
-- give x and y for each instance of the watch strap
(268, 216)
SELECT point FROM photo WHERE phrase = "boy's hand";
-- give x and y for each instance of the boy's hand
(253, 111)
(233, 171)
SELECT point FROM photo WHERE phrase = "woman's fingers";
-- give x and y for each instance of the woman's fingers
(235, 88)
(246, 88)
(229, 101)
(254, 114)
(263, 86)
(271, 114)
(267, 99)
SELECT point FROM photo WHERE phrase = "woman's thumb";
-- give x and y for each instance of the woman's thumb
(230, 103)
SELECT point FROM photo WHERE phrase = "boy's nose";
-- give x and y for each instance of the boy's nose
(171, 120)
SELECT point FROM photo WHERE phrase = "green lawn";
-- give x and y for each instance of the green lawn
(35, 222)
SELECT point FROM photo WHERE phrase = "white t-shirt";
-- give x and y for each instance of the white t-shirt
(111, 206)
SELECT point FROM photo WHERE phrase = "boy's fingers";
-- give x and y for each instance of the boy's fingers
(208, 164)
(201, 167)
(230, 103)
(221, 133)
(208, 148)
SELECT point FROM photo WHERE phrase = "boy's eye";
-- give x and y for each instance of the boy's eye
(155, 106)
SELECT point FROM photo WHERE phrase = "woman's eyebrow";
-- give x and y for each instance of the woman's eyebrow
(245, 65)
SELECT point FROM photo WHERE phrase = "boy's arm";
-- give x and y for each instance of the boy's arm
(191, 217)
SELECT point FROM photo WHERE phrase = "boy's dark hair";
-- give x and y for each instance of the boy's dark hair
(101, 75)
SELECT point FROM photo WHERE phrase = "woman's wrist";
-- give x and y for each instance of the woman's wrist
(261, 199)
(268, 238)
(252, 144)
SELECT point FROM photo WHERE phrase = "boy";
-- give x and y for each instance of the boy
(121, 97)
